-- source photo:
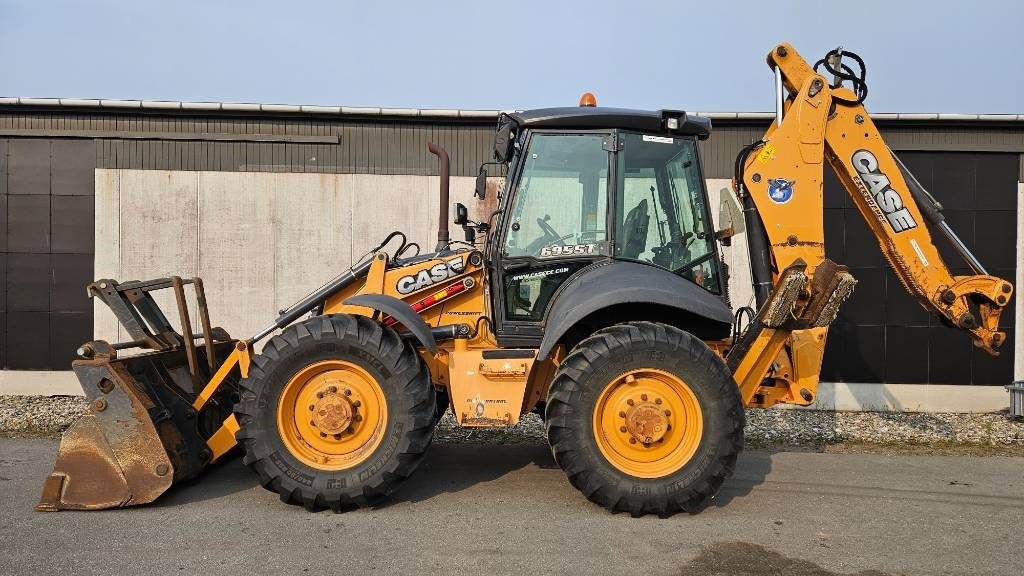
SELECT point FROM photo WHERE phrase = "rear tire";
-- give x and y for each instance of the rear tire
(370, 419)
(634, 454)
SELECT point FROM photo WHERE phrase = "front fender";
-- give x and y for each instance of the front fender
(400, 311)
(615, 282)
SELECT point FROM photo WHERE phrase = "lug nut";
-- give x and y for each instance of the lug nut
(312, 423)
(312, 407)
(323, 435)
(622, 428)
(622, 414)
(357, 418)
(337, 436)
(333, 389)
(668, 412)
(657, 400)
(668, 427)
(357, 404)
(632, 440)
(319, 394)
(643, 397)
(630, 402)
(347, 392)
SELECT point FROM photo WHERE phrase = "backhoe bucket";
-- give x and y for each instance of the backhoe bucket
(140, 433)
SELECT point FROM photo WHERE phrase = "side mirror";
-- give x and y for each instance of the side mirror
(503, 143)
(481, 184)
(461, 214)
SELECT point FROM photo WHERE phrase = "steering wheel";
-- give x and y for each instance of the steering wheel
(550, 232)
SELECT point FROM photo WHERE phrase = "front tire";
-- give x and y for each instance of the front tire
(335, 413)
(645, 418)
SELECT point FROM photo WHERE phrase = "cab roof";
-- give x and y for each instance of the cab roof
(597, 117)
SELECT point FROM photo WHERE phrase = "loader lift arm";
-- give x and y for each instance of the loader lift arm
(780, 180)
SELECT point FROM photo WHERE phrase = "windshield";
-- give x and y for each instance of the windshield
(660, 212)
(561, 201)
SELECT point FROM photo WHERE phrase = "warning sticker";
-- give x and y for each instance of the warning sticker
(766, 153)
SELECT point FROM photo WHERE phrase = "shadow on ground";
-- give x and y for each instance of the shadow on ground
(448, 469)
(752, 467)
(451, 468)
(219, 480)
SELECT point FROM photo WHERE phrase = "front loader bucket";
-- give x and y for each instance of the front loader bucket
(141, 432)
(113, 455)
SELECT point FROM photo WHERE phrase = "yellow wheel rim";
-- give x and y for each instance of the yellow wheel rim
(648, 423)
(332, 415)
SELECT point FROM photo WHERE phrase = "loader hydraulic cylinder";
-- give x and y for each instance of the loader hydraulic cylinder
(292, 313)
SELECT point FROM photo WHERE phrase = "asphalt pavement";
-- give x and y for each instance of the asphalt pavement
(481, 509)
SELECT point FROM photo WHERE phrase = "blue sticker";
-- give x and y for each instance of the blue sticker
(780, 190)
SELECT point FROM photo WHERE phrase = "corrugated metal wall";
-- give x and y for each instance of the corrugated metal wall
(147, 140)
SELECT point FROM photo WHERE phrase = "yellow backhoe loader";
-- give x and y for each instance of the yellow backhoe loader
(595, 296)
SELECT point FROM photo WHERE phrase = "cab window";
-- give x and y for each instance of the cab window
(660, 213)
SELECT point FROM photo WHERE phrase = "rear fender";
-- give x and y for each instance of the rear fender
(614, 283)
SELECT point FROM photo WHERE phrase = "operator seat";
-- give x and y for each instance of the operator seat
(634, 231)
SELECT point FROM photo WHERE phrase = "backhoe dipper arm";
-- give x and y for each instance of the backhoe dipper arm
(784, 179)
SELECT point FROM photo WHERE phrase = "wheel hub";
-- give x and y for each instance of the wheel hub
(646, 422)
(332, 414)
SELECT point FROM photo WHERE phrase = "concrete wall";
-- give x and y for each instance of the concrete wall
(260, 241)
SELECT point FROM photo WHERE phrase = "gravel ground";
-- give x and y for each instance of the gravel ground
(40, 416)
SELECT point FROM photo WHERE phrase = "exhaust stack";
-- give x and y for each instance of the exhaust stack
(443, 238)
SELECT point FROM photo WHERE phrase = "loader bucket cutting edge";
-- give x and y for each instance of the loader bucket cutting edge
(113, 455)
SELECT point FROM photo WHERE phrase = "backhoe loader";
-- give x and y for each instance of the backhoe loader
(594, 294)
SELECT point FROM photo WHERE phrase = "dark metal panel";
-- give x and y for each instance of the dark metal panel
(4, 149)
(3, 338)
(68, 331)
(28, 336)
(3, 224)
(28, 223)
(28, 166)
(3, 288)
(72, 220)
(69, 274)
(28, 286)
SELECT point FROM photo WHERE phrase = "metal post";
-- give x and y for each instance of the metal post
(1017, 388)
(778, 95)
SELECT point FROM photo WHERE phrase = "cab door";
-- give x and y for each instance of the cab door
(556, 224)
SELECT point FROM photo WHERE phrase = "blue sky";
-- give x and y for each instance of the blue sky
(937, 56)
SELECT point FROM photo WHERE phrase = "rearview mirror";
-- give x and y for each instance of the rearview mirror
(503, 142)
(461, 214)
(481, 184)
